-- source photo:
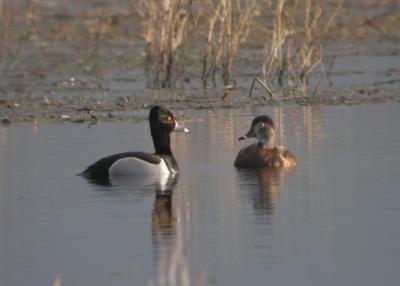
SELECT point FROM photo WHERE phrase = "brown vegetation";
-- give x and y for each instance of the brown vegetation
(185, 43)
(292, 33)
(164, 29)
(5, 14)
(293, 46)
(227, 26)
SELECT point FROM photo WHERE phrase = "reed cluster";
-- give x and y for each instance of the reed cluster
(182, 33)
(166, 33)
(227, 26)
(293, 45)
(171, 27)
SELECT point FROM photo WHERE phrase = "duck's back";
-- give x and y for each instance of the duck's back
(256, 156)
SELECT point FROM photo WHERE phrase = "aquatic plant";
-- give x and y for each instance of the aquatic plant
(290, 32)
(227, 27)
(293, 45)
(5, 24)
(168, 27)
(164, 29)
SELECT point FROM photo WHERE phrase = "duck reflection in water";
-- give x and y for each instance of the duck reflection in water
(166, 243)
(163, 228)
(162, 216)
(168, 232)
(261, 187)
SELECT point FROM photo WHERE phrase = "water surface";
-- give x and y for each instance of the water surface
(332, 220)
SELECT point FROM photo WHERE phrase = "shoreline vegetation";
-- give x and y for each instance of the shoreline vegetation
(89, 62)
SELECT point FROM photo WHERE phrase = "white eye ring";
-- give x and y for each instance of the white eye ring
(262, 124)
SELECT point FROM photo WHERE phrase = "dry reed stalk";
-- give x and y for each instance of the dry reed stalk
(273, 51)
(238, 30)
(293, 49)
(5, 14)
(231, 21)
(164, 24)
(209, 41)
(263, 84)
(213, 45)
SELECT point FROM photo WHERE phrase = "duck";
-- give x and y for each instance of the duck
(129, 164)
(264, 153)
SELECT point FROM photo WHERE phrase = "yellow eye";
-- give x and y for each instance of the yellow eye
(168, 118)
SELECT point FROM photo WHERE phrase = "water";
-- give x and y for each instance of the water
(333, 220)
(364, 70)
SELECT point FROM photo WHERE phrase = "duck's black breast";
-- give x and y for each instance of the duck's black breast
(100, 169)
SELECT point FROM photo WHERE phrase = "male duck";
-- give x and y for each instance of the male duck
(264, 153)
(162, 123)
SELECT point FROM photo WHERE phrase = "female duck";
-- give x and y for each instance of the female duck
(264, 153)
(162, 123)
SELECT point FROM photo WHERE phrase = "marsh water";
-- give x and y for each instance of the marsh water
(332, 220)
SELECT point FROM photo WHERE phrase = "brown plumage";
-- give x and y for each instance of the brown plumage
(264, 153)
(259, 155)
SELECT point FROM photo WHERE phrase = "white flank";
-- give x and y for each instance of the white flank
(131, 166)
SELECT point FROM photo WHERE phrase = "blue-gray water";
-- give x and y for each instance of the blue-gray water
(333, 220)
